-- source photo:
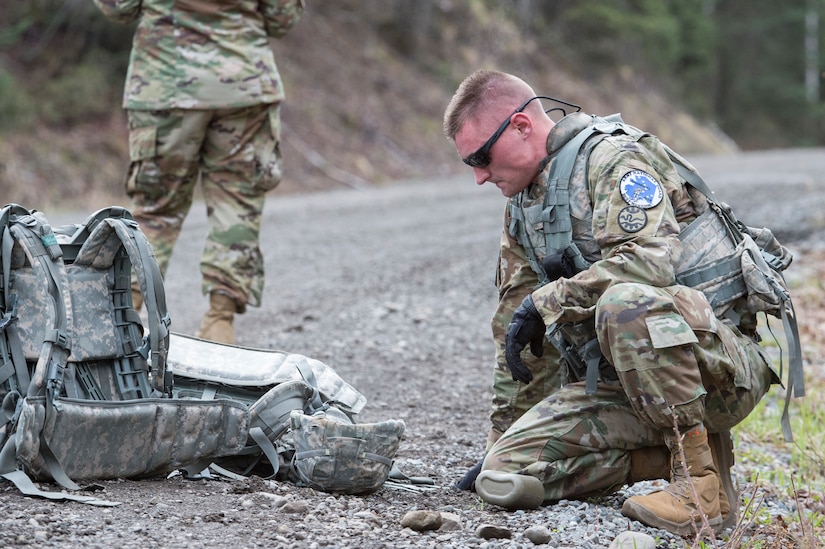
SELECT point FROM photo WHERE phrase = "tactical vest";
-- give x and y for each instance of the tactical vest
(737, 267)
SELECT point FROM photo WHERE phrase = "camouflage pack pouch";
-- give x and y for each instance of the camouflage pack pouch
(763, 260)
(126, 439)
(346, 458)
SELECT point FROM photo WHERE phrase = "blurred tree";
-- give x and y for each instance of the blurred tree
(753, 66)
(761, 95)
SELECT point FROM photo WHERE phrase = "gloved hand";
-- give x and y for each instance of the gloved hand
(525, 327)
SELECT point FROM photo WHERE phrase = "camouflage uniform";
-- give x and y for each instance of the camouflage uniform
(672, 355)
(203, 95)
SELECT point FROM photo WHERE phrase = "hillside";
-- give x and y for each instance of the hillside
(358, 111)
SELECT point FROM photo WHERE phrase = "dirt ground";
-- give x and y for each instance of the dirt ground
(394, 289)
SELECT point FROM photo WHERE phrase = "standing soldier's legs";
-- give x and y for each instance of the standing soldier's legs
(164, 151)
(241, 163)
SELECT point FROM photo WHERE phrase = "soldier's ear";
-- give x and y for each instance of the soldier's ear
(522, 123)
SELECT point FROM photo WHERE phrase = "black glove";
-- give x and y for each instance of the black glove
(525, 327)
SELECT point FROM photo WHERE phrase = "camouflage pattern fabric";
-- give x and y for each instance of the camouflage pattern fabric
(672, 355)
(237, 154)
(345, 458)
(203, 94)
(577, 444)
(197, 364)
(131, 439)
(203, 54)
(515, 279)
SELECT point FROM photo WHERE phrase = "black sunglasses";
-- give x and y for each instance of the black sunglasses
(481, 158)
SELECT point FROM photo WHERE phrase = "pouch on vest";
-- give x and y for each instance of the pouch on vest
(340, 457)
(724, 261)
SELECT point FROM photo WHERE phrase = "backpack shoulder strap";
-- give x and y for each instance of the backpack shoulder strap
(35, 237)
(108, 230)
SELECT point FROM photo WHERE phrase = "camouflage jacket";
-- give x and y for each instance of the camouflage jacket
(202, 54)
(627, 235)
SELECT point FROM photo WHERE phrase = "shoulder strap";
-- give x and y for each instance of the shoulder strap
(107, 230)
(555, 216)
(14, 368)
(35, 237)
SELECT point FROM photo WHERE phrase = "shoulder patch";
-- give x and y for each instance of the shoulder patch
(640, 189)
(632, 219)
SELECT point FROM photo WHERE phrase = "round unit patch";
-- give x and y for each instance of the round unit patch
(632, 219)
(640, 189)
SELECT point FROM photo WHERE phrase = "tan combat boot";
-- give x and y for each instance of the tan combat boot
(217, 322)
(650, 463)
(721, 447)
(675, 508)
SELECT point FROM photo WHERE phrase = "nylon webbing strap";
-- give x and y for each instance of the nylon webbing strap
(266, 447)
(303, 367)
(731, 288)
(796, 378)
(50, 368)
(12, 352)
(555, 215)
(9, 471)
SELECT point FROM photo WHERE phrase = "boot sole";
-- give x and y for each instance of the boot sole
(510, 490)
(632, 510)
(722, 445)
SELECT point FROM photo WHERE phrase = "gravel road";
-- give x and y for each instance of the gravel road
(392, 287)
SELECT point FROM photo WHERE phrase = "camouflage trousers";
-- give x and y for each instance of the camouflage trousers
(236, 155)
(673, 357)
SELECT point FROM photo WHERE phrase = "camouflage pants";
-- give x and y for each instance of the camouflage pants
(236, 154)
(672, 357)
(511, 399)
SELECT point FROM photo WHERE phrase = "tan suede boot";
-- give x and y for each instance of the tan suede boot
(650, 463)
(675, 508)
(217, 322)
(721, 447)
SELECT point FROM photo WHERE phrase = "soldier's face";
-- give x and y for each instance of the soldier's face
(507, 162)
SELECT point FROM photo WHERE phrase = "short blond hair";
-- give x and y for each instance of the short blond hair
(483, 90)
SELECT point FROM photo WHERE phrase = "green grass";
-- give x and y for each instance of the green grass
(770, 469)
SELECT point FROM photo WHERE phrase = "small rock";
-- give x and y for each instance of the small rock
(633, 540)
(421, 520)
(488, 531)
(539, 535)
(450, 522)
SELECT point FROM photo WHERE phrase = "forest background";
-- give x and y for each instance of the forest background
(367, 82)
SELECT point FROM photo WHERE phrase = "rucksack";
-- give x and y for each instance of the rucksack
(336, 455)
(89, 392)
(83, 382)
(738, 264)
